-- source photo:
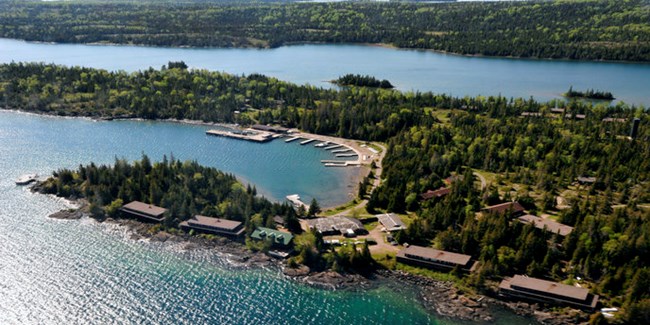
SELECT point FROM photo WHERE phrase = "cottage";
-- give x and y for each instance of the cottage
(145, 211)
(514, 209)
(214, 225)
(391, 222)
(538, 290)
(548, 224)
(428, 195)
(582, 180)
(281, 239)
(435, 259)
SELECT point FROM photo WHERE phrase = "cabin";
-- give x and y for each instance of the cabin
(441, 192)
(514, 209)
(531, 114)
(557, 110)
(614, 119)
(216, 226)
(143, 211)
(548, 224)
(435, 259)
(538, 290)
(280, 239)
(391, 222)
(582, 180)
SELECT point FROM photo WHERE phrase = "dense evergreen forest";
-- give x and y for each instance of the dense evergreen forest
(589, 30)
(534, 158)
(184, 188)
(362, 81)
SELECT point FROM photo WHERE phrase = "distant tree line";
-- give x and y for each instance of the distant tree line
(586, 30)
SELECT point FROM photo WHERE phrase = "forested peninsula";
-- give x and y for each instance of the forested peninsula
(583, 30)
(575, 163)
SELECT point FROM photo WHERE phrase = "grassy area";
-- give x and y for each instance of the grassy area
(371, 226)
(340, 208)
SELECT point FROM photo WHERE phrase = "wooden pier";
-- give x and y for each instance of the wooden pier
(342, 150)
(254, 136)
(334, 147)
(340, 163)
(343, 155)
(291, 139)
(307, 141)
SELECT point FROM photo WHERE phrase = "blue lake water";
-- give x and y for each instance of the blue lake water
(406, 69)
(84, 272)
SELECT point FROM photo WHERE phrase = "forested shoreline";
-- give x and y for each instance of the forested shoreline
(533, 151)
(582, 30)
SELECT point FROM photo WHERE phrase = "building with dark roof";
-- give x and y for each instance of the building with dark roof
(548, 224)
(268, 128)
(435, 259)
(144, 211)
(586, 180)
(514, 209)
(391, 222)
(428, 195)
(278, 238)
(538, 290)
(214, 225)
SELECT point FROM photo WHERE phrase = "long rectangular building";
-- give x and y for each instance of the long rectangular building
(214, 225)
(513, 209)
(548, 224)
(144, 211)
(538, 290)
(436, 259)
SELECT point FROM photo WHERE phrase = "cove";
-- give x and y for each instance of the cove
(408, 70)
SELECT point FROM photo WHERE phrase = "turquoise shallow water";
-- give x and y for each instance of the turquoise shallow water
(83, 272)
(406, 69)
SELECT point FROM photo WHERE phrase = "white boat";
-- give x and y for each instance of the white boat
(322, 144)
(26, 179)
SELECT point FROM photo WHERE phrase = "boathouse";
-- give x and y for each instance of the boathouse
(548, 224)
(141, 210)
(514, 209)
(217, 226)
(538, 290)
(280, 239)
(435, 259)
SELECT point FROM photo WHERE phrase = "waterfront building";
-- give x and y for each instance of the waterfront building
(336, 226)
(538, 290)
(280, 239)
(141, 210)
(435, 259)
(214, 225)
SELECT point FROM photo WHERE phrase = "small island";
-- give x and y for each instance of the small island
(362, 81)
(589, 94)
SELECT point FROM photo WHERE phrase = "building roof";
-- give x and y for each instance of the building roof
(549, 287)
(336, 224)
(533, 114)
(614, 119)
(391, 221)
(557, 110)
(583, 179)
(279, 237)
(214, 222)
(144, 209)
(513, 207)
(437, 255)
(548, 224)
(437, 193)
(269, 128)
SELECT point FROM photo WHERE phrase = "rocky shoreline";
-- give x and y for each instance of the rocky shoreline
(439, 297)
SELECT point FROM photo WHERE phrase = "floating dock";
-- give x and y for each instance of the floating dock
(242, 135)
(334, 147)
(322, 144)
(291, 139)
(343, 155)
(307, 141)
(340, 163)
(295, 200)
(342, 150)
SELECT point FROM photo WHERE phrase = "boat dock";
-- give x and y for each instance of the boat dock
(247, 135)
(307, 141)
(295, 200)
(322, 144)
(334, 147)
(343, 155)
(342, 150)
(340, 163)
(291, 139)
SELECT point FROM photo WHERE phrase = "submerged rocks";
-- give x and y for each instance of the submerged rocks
(67, 214)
